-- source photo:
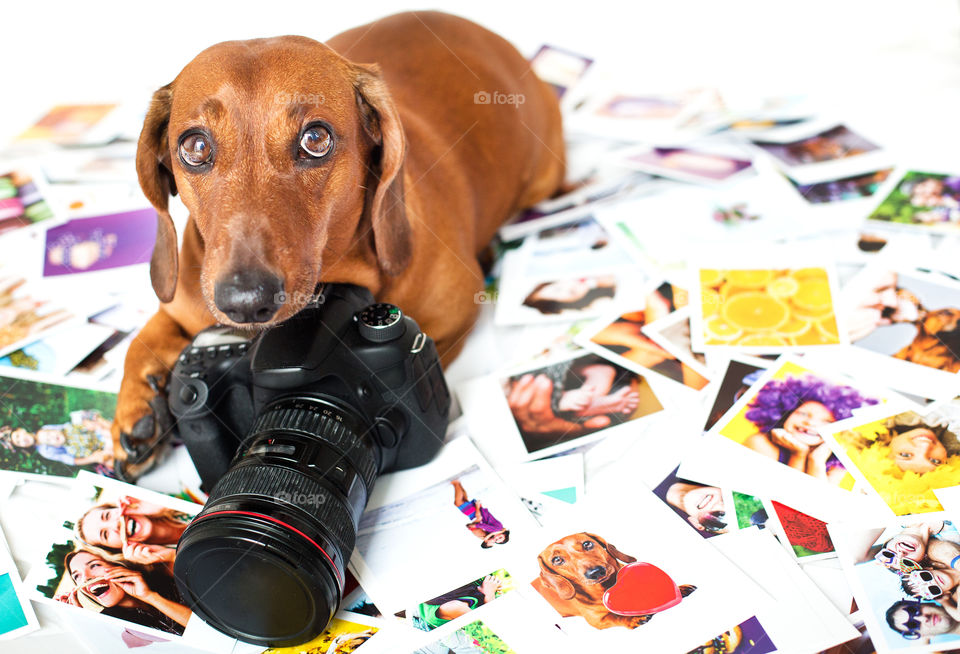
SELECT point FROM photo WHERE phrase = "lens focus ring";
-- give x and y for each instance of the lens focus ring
(289, 486)
(286, 419)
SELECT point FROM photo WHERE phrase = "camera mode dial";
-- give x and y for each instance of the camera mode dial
(381, 322)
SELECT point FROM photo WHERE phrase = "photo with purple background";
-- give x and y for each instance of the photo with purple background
(100, 242)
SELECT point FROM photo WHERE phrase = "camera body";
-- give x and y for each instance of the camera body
(388, 373)
(289, 432)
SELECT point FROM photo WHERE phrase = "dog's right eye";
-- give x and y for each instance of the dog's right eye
(557, 560)
(195, 150)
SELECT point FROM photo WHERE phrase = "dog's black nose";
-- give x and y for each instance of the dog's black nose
(596, 572)
(249, 295)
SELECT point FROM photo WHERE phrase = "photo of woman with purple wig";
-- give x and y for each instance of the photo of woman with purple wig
(788, 414)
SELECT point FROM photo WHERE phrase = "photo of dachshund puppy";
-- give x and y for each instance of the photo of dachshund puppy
(577, 570)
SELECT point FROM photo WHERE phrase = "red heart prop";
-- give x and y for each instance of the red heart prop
(641, 589)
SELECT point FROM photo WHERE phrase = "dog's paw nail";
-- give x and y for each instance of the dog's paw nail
(144, 428)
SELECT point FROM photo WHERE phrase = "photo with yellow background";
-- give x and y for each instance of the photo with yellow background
(767, 307)
(739, 429)
(904, 491)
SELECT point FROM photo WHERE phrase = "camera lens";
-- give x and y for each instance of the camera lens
(264, 561)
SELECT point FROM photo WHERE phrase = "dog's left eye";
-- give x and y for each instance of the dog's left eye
(557, 560)
(195, 150)
(588, 544)
(315, 142)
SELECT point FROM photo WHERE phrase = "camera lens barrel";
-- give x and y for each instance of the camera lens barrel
(265, 559)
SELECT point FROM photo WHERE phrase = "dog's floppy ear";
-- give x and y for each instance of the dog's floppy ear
(557, 583)
(385, 203)
(617, 554)
(155, 173)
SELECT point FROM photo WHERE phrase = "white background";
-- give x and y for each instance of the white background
(890, 66)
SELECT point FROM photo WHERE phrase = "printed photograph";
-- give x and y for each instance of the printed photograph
(100, 242)
(807, 536)
(701, 506)
(767, 310)
(903, 457)
(54, 430)
(570, 298)
(26, 312)
(458, 516)
(115, 556)
(340, 637)
(575, 397)
(781, 420)
(909, 317)
(835, 143)
(624, 338)
(685, 164)
(749, 511)
(846, 188)
(748, 637)
(585, 575)
(634, 107)
(474, 638)
(21, 201)
(928, 201)
(67, 124)
(559, 68)
(16, 613)
(737, 379)
(442, 609)
(673, 333)
(907, 583)
(582, 244)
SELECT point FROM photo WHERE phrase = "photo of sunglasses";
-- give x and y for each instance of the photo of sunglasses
(923, 584)
(913, 623)
(896, 563)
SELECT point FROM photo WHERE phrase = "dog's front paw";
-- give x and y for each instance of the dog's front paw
(141, 425)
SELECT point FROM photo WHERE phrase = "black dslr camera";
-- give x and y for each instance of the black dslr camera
(289, 432)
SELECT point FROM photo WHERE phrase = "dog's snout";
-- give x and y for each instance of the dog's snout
(249, 296)
(596, 573)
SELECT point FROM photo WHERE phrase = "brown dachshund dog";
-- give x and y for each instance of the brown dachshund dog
(576, 571)
(387, 157)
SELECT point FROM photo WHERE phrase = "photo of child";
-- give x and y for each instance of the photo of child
(442, 609)
(835, 143)
(575, 397)
(903, 457)
(907, 584)
(24, 314)
(700, 505)
(912, 318)
(50, 429)
(482, 524)
(927, 201)
(115, 557)
(781, 420)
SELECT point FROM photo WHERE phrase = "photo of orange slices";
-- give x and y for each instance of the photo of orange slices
(759, 308)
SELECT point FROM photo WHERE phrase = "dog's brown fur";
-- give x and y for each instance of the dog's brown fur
(420, 178)
(564, 583)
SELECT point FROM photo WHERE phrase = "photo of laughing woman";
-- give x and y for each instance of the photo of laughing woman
(146, 598)
(132, 530)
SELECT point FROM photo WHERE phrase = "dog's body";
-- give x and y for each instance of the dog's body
(576, 571)
(299, 166)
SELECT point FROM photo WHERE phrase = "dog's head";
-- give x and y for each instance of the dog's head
(579, 563)
(285, 153)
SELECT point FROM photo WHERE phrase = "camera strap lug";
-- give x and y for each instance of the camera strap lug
(418, 342)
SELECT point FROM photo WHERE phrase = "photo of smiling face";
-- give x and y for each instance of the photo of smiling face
(918, 450)
(87, 572)
(102, 526)
(804, 421)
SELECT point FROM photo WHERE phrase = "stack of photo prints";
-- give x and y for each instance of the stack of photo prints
(711, 404)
